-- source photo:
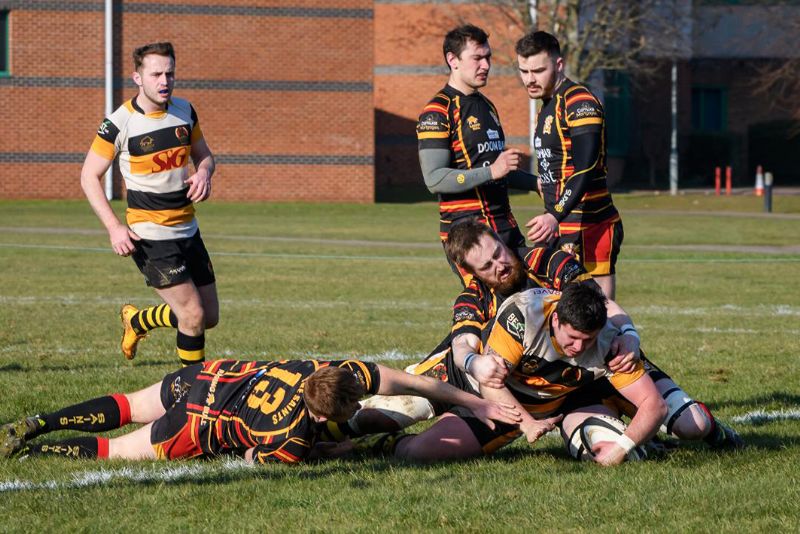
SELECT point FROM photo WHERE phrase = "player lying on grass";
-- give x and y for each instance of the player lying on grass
(263, 411)
(498, 272)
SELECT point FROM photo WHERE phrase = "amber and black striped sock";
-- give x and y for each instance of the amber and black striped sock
(96, 415)
(85, 447)
(191, 349)
(154, 317)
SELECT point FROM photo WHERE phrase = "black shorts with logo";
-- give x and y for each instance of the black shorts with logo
(169, 262)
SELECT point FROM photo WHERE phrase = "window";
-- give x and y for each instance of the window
(3, 42)
(709, 109)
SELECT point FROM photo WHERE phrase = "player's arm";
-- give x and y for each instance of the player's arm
(624, 347)
(651, 410)
(469, 320)
(394, 382)
(97, 162)
(200, 181)
(524, 181)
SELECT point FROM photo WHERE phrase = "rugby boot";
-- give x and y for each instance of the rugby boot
(13, 435)
(380, 444)
(723, 437)
(130, 339)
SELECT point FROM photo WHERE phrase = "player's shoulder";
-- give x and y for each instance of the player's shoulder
(575, 93)
(180, 106)
(440, 103)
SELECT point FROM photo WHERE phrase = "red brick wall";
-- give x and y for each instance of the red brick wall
(283, 92)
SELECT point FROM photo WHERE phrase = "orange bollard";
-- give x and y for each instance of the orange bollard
(728, 180)
(759, 181)
(717, 180)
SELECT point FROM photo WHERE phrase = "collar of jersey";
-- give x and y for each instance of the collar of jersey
(154, 114)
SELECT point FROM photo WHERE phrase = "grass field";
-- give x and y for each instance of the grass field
(711, 283)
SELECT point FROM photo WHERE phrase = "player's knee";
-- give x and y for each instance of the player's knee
(692, 424)
(191, 319)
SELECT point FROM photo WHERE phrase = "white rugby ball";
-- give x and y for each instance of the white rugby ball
(605, 428)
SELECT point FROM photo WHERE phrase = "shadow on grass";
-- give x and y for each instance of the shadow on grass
(761, 402)
(106, 363)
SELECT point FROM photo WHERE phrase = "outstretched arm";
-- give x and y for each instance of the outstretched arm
(394, 382)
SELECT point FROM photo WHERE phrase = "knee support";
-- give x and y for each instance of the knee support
(677, 403)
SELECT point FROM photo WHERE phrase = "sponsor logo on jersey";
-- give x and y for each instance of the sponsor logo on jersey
(463, 315)
(103, 129)
(586, 110)
(515, 327)
(147, 144)
(548, 123)
(492, 134)
(473, 123)
(560, 206)
(170, 159)
(182, 133)
(491, 146)
(461, 178)
(430, 123)
(537, 143)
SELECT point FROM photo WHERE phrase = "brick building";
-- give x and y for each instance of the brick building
(317, 99)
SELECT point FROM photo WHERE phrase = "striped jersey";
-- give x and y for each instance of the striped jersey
(541, 374)
(154, 151)
(469, 127)
(245, 404)
(572, 195)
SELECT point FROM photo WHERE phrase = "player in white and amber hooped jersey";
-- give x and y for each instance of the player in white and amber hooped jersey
(155, 135)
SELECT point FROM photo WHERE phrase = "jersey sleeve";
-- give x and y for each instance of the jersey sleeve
(553, 268)
(197, 132)
(366, 372)
(105, 142)
(469, 317)
(620, 380)
(584, 113)
(290, 451)
(508, 335)
(433, 127)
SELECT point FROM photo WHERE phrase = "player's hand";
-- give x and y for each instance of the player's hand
(489, 411)
(626, 351)
(199, 186)
(490, 370)
(542, 228)
(536, 428)
(508, 160)
(608, 453)
(122, 240)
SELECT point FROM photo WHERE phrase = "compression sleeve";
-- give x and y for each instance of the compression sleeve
(522, 180)
(439, 178)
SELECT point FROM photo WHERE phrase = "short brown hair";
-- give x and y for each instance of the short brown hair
(333, 393)
(456, 39)
(462, 237)
(536, 42)
(159, 49)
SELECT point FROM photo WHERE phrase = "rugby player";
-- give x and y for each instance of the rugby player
(570, 146)
(262, 411)
(155, 135)
(462, 145)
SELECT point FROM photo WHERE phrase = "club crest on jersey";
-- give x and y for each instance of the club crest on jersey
(461, 178)
(572, 249)
(548, 123)
(147, 144)
(182, 133)
(473, 123)
(514, 326)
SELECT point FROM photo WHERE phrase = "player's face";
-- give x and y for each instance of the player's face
(540, 74)
(492, 262)
(572, 342)
(156, 80)
(471, 68)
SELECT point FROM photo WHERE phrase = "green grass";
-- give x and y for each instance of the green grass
(716, 311)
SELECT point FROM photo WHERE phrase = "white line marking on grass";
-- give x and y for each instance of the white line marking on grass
(157, 473)
(760, 417)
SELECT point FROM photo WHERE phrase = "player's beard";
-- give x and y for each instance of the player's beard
(513, 283)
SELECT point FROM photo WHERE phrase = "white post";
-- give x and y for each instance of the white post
(532, 111)
(673, 145)
(109, 70)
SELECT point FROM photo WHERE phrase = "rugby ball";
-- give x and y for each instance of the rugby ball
(605, 428)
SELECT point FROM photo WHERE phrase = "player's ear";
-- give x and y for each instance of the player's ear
(559, 64)
(137, 78)
(452, 60)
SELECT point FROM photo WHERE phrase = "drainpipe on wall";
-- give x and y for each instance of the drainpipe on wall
(109, 67)
(532, 111)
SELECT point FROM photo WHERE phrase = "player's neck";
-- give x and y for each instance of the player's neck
(461, 87)
(148, 106)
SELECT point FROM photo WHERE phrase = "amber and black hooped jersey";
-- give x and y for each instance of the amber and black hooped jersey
(547, 267)
(469, 127)
(573, 195)
(154, 151)
(260, 404)
(541, 374)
